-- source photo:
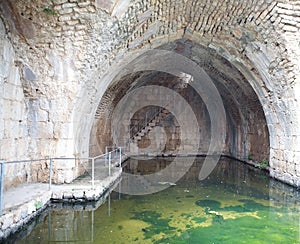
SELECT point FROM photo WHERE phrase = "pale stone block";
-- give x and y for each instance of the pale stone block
(282, 166)
(288, 156)
(80, 27)
(104, 4)
(17, 215)
(30, 207)
(69, 176)
(297, 169)
(60, 177)
(7, 55)
(65, 11)
(29, 74)
(1, 128)
(73, 22)
(11, 129)
(7, 221)
(14, 76)
(60, 1)
(22, 148)
(297, 181)
(63, 130)
(120, 7)
(288, 178)
(297, 157)
(69, 5)
(44, 103)
(43, 115)
(78, 194)
(46, 147)
(64, 18)
(24, 211)
(17, 112)
(65, 164)
(64, 148)
(45, 130)
(57, 8)
(22, 130)
(4, 68)
(290, 168)
(8, 90)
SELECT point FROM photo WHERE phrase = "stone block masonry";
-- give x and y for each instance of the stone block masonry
(58, 58)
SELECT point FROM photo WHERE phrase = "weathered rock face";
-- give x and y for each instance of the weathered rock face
(59, 57)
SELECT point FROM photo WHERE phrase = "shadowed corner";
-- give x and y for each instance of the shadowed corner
(208, 166)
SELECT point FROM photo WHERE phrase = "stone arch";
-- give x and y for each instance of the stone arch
(256, 44)
(253, 41)
(111, 81)
(84, 40)
(252, 102)
(253, 65)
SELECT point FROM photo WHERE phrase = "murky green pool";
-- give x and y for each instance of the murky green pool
(236, 204)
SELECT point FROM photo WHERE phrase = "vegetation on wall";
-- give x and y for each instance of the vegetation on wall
(49, 11)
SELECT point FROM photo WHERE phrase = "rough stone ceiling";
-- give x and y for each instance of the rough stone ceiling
(236, 92)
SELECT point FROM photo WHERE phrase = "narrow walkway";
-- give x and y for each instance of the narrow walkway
(23, 193)
(24, 202)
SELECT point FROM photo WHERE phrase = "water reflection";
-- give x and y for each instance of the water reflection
(236, 203)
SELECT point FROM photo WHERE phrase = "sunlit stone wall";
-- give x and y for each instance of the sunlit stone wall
(59, 56)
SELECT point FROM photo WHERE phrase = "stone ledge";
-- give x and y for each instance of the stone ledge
(15, 218)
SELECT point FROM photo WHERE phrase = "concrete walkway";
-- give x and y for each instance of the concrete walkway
(17, 196)
(22, 203)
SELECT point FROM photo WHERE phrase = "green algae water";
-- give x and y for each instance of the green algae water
(235, 204)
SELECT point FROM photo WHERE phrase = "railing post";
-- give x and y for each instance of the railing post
(93, 173)
(105, 161)
(120, 159)
(109, 163)
(108, 205)
(50, 174)
(93, 224)
(1, 187)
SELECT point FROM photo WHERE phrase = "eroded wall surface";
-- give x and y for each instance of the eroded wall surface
(58, 58)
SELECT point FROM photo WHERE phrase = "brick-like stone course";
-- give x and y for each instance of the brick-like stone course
(65, 52)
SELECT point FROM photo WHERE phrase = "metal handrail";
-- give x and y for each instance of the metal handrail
(50, 159)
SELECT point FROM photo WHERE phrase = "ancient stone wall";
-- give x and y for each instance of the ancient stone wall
(14, 133)
(68, 52)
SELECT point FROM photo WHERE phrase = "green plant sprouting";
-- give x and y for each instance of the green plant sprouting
(263, 164)
(49, 11)
(250, 156)
(38, 204)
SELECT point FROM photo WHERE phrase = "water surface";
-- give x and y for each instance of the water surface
(235, 204)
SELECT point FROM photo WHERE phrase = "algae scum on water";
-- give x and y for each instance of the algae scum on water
(236, 204)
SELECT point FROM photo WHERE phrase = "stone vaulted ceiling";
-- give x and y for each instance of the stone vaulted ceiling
(59, 57)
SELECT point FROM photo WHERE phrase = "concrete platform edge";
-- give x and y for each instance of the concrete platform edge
(15, 219)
